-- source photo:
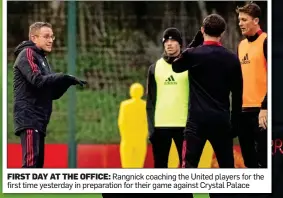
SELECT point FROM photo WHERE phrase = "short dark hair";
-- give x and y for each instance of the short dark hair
(36, 26)
(214, 25)
(251, 9)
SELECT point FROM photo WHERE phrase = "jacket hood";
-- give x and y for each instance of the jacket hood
(26, 44)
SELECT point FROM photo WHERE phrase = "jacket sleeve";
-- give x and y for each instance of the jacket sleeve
(264, 102)
(29, 69)
(59, 90)
(184, 62)
(151, 99)
(237, 94)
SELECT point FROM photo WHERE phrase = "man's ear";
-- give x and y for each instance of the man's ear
(256, 21)
(202, 30)
(222, 34)
(33, 38)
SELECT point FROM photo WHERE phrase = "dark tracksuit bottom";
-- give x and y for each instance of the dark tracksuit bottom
(161, 143)
(220, 139)
(253, 140)
(32, 142)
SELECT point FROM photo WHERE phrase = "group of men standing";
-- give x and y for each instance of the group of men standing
(189, 94)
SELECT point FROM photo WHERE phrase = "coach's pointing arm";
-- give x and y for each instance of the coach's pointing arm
(31, 72)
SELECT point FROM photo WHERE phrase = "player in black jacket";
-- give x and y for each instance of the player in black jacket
(214, 72)
(35, 87)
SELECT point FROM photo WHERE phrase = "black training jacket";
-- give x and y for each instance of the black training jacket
(214, 72)
(35, 86)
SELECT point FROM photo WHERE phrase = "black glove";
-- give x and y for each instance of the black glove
(76, 81)
(197, 40)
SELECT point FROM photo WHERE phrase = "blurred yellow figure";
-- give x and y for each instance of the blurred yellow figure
(205, 160)
(132, 122)
(173, 160)
(206, 157)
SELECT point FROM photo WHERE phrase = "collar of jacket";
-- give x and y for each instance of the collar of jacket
(36, 49)
(212, 43)
(254, 37)
(169, 59)
(40, 51)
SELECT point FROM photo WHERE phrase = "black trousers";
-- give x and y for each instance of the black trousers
(253, 141)
(32, 142)
(221, 140)
(161, 142)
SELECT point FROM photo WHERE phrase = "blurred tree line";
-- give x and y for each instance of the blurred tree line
(116, 43)
(119, 24)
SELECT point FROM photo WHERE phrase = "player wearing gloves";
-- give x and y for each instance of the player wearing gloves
(214, 72)
(35, 87)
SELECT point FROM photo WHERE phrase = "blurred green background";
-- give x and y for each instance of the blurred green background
(116, 42)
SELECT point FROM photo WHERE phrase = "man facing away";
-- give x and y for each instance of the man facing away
(252, 52)
(35, 87)
(214, 72)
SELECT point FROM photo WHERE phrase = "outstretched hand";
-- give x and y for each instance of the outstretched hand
(197, 40)
(81, 82)
(76, 81)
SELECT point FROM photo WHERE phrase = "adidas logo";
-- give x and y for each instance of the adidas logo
(170, 81)
(245, 60)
